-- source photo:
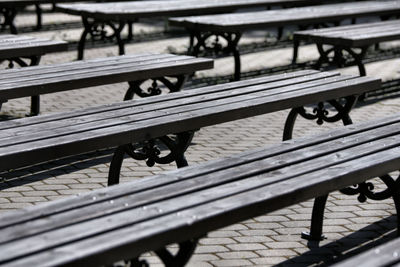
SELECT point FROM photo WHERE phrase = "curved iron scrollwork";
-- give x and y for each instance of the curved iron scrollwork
(136, 87)
(97, 30)
(209, 42)
(185, 252)
(150, 152)
(321, 113)
(339, 57)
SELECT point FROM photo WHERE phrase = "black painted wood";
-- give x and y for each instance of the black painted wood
(126, 220)
(387, 254)
(285, 17)
(36, 80)
(14, 46)
(358, 35)
(33, 140)
(128, 11)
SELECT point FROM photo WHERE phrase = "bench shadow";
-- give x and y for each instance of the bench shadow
(355, 243)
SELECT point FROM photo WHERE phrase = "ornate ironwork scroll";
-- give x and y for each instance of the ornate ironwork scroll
(150, 152)
(97, 30)
(185, 252)
(209, 42)
(364, 190)
(321, 114)
(154, 89)
(339, 57)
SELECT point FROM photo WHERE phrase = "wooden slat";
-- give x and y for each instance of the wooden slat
(54, 78)
(26, 46)
(387, 254)
(166, 122)
(354, 35)
(293, 16)
(152, 109)
(274, 184)
(140, 9)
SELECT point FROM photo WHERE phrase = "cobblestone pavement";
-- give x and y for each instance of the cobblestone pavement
(273, 239)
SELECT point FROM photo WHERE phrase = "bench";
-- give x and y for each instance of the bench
(123, 221)
(19, 49)
(117, 15)
(205, 31)
(384, 255)
(134, 69)
(352, 40)
(137, 127)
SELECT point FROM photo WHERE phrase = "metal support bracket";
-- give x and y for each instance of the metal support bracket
(9, 15)
(136, 87)
(150, 152)
(209, 42)
(339, 57)
(321, 114)
(97, 29)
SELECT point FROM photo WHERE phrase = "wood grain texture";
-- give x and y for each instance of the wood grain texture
(358, 35)
(12, 46)
(125, 220)
(293, 16)
(34, 140)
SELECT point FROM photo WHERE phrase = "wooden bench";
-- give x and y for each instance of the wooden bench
(352, 40)
(19, 49)
(230, 27)
(123, 221)
(117, 15)
(134, 69)
(38, 139)
(385, 255)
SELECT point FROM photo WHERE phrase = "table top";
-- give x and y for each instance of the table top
(293, 16)
(25, 46)
(138, 9)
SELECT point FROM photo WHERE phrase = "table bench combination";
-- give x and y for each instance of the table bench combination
(117, 15)
(352, 40)
(123, 221)
(167, 69)
(205, 31)
(19, 49)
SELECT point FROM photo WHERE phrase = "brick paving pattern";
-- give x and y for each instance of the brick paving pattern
(273, 239)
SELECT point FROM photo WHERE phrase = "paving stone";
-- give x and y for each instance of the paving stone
(232, 263)
(237, 255)
(245, 246)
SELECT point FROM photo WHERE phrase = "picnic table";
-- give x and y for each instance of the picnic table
(205, 29)
(18, 48)
(118, 14)
(353, 39)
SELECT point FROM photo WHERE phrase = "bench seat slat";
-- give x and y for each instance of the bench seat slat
(141, 130)
(302, 15)
(179, 105)
(138, 9)
(320, 155)
(354, 35)
(90, 76)
(106, 194)
(155, 99)
(258, 200)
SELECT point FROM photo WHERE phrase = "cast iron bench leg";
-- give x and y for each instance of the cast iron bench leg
(150, 152)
